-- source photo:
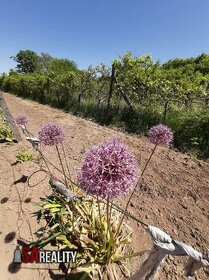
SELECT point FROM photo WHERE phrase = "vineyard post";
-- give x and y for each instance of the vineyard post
(165, 111)
(125, 97)
(111, 88)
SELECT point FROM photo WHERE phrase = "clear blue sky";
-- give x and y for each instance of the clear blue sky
(94, 31)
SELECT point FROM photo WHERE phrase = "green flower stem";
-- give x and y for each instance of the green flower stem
(107, 213)
(67, 165)
(127, 204)
(60, 159)
(73, 219)
(60, 171)
(111, 240)
(110, 217)
(68, 208)
(111, 205)
(29, 133)
(99, 208)
(45, 161)
(148, 160)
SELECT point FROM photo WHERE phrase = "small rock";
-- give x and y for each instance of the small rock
(198, 244)
(170, 257)
(174, 262)
(200, 164)
(183, 205)
(175, 231)
(193, 234)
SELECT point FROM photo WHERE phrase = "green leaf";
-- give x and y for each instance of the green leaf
(128, 256)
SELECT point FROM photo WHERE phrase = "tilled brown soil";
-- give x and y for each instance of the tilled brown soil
(174, 195)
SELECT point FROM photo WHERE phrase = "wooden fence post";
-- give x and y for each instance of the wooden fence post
(111, 88)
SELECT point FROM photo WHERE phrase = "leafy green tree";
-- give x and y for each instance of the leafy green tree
(62, 66)
(136, 77)
(190, 65)
(45, 62)
(27, 61)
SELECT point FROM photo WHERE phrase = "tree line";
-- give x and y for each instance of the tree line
(133, 93)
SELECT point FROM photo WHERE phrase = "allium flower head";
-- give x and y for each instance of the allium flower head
(160, 135)
(51, 134)
(21, 120)
(108, 170)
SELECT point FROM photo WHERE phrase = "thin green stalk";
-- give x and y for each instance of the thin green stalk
(73, 219)
(148, 160)
(110, 217)
(100, 219)
(60, 171)
(111, 241)
(29, 133)
(127, 204)
(68, 208)
(99, 208)
(45, 161)
(111, 204)
(110, 230)
(107, 213)
(60, 159)
(67, 165)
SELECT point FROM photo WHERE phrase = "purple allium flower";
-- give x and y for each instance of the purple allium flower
(108, 170)
(160, 135)
(21, 120)
(51, 134)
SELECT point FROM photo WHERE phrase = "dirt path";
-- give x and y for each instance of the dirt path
(174, 195)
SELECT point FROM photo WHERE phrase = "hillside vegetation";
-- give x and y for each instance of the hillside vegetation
(134, 94)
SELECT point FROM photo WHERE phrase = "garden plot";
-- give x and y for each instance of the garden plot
(172, 196)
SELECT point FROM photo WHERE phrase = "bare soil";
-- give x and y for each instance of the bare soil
(174, 195)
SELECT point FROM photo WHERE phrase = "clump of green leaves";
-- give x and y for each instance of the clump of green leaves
(6, 133)
(23, 156)
(83, 226)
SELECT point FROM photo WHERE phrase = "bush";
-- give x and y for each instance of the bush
(62, 90)
(138, 120)
(191, 130)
